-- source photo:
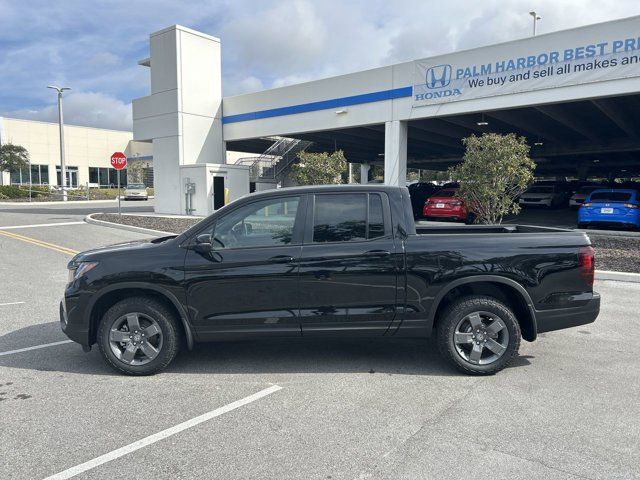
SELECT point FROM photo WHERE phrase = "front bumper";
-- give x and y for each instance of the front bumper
(533, 203)
(559, 318)
(72, 321)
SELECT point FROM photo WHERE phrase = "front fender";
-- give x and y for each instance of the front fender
(142, 287)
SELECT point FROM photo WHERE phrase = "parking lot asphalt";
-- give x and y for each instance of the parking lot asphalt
(347, 409)
(23, 213)
(549, 217)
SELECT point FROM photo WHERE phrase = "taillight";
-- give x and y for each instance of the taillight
(586, 262)
(631, 205)
(427, 202)
(455, 203)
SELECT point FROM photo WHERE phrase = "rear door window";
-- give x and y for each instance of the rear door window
(347, 217)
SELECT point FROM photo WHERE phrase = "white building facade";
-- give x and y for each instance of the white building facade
(87, 153)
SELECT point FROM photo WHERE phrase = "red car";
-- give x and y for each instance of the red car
(445, 204)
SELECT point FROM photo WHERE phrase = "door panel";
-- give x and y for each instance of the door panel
(343, 289)
(244, 291)
(248, 283)
(348, 268)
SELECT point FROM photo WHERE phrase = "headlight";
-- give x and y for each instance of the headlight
(78, 270)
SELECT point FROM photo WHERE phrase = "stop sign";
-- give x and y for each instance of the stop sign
(118, 160)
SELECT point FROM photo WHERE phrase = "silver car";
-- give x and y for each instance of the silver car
(543, 195)
(136, 191)
(577, 198)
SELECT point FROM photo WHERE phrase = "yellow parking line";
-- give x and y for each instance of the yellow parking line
(40, 243)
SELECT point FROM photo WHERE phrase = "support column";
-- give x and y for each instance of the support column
(395, 153)
(183, 114)
(364, 173)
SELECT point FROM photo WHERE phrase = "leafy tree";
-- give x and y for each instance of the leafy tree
(319, 168)
(495, 170)
(13, 157)
(134, 171)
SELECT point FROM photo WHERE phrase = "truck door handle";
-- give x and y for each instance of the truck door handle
(377, 253)
(281, 259)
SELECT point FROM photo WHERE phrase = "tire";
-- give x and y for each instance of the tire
(145, 353)
(471, 217)
(460, 316)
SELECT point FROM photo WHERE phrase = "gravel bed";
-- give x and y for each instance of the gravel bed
(621, 254)
(165, 224)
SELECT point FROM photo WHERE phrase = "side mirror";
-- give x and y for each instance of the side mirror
(203, 243)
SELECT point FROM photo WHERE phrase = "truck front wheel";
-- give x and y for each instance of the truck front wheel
(138, 336)
(479, 335)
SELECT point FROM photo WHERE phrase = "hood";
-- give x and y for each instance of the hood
(99, 252)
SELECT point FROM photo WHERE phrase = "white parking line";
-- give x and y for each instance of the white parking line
(35, 347)
(132, 447)
(35, 225)
(10, 303)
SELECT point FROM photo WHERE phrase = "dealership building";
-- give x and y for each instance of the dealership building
(574, 94)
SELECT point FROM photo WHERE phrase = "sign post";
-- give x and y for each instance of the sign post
(119, 162)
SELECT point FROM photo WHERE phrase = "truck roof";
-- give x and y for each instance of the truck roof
(375, 187)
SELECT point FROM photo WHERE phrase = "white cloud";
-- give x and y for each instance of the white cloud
(88, 109)
(244, 85)
(265, 44)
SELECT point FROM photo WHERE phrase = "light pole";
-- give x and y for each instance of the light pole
(536, 17)
(63, 167)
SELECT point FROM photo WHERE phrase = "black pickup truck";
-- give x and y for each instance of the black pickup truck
(330, 261)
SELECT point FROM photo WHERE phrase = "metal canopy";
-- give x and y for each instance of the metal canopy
(596, 137)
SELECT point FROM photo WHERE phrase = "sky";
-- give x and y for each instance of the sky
(94, 47)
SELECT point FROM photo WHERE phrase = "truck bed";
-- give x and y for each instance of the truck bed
(467, 229)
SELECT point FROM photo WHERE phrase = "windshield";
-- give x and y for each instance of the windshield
(540, 190)
(610, 197)
(136, 186)
(587, 190)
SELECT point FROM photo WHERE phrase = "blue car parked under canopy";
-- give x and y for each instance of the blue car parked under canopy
(610, 207)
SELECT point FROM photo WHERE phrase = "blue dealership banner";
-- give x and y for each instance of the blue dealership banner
(525, 66)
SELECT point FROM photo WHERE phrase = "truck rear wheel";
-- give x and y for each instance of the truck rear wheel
(138, 336)
(479, 335)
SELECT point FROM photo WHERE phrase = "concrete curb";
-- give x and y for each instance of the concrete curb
(610, 233)
(162, 215)
(89, 219)
(618, 276)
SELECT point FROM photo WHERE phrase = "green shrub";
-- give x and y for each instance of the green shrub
(14, 192)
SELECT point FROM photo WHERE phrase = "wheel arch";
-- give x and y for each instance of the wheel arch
(107, 297)
(504, 289)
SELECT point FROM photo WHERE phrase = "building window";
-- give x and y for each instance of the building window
(93, 175)
(39, 175)
(72, 176)
(106, 177)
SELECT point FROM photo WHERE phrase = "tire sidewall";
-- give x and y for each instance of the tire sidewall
(153, 310)
(462, 308)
